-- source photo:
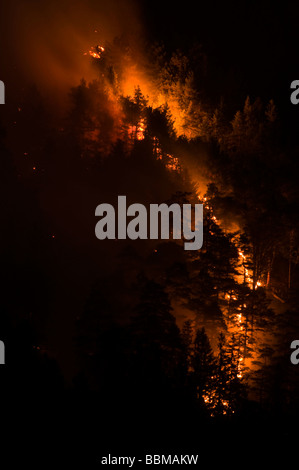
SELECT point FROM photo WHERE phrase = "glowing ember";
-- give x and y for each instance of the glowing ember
(140, 130)
(247, 276)
(137, 132)
(96, 52)
(173, 164)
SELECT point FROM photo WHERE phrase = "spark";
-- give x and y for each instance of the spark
(173, 165)
(96, 52)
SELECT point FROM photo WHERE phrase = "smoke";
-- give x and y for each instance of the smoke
(44, 42)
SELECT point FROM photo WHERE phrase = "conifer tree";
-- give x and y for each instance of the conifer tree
(203, 364)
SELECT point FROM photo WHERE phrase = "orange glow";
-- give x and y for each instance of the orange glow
(173, 164)
(246, 273)
(137, 131)
(140, 130)
(96, 52)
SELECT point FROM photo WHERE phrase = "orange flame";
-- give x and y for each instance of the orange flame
(96, 52)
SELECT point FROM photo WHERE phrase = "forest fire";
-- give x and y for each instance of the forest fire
(246, 275)
(167, 348)
(136, 132)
